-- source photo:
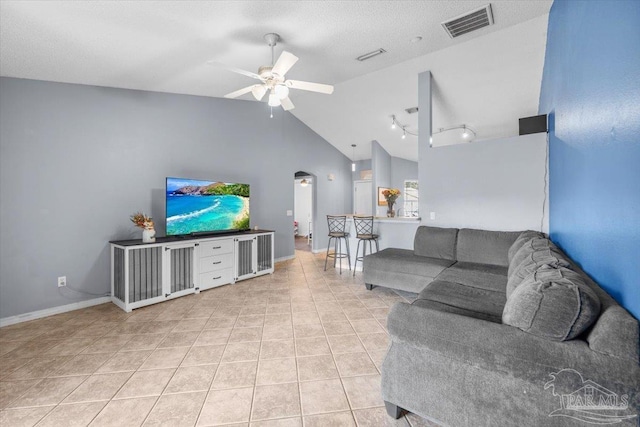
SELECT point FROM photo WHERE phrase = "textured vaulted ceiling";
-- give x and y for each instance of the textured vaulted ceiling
(486, 79)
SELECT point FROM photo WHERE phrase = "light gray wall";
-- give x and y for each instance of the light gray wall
(401, 170)
(76, 161)
(361, 165)
(381, 167)
(494, 185)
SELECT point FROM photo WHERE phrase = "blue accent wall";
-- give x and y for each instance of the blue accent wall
(591, 90)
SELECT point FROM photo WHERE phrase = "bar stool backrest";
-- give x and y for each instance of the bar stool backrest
(337, 223)
(364, 225)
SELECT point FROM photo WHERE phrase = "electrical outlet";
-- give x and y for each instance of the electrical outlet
(432, 215)
(62, 281)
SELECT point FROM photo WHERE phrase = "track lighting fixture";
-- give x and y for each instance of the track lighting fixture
(468, 133)
(395, 123)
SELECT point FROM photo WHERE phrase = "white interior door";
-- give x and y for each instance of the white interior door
(362, 198)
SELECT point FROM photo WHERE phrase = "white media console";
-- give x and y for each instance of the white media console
(148, 273)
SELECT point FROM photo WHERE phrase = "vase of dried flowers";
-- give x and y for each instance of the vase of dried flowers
(391, 195)
(146, 223)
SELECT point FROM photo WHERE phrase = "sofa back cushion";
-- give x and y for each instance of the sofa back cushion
(435, 242)
(523, 238)
(529, 247)
(485, 247)
(548, 256)
(553, 303)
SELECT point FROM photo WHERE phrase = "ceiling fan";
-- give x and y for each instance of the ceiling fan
(273, 80)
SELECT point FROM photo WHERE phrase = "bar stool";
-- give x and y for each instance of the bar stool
(364, 234)
(337, 232)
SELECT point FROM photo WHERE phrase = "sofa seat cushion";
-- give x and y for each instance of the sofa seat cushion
(483, 276)
(401, 269)
(553, 303)
(469, 300)
(433, 305)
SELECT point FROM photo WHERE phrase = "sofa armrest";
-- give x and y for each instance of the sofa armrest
(499, 347)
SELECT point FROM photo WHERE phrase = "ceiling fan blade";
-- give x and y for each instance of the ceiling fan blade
(240, 92)
(287, 104)
(235, 70)
(258, 91)
(284, 63)
(313, 87)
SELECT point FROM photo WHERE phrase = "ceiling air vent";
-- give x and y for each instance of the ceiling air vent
(470, 21)
(371, 54)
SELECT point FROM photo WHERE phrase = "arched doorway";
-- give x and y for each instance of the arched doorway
(303, 212)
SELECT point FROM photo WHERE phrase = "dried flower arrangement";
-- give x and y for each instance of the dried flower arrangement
(143, 221)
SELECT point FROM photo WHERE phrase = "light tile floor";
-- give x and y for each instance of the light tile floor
(299, 347)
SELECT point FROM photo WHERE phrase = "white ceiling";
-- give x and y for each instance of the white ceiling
(486, 79)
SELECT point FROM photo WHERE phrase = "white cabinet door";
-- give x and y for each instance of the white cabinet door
(362, 198)
(180, 269)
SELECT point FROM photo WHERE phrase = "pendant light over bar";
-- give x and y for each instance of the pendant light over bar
(353, 157)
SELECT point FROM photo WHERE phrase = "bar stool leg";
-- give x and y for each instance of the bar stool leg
(346, 240)
(340, 248)
(327, 257)
(356, 263)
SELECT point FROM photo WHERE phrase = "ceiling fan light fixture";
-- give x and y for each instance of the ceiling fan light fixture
(274, 100)
(281, 91)
(258, 92)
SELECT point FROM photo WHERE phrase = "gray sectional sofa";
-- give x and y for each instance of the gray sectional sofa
(506, 331)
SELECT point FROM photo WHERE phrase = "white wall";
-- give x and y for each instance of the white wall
(493, 185)
(303, 206)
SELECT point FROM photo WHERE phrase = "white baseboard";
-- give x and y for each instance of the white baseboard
(317, 251)
(6, 321)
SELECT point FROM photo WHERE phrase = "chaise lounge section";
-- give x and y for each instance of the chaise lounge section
(504, 331)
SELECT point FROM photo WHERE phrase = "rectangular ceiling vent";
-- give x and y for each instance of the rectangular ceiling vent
(470, 21)
(371, 54)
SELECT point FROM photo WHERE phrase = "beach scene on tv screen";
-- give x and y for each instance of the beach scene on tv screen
(195, 206)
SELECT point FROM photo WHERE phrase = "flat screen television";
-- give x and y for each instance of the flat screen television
(201, 207)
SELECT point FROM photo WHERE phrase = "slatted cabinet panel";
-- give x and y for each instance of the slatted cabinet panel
(144, 274)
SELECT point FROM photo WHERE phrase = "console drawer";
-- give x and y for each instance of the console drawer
(216, 278)
(216, 262)
(216, 247)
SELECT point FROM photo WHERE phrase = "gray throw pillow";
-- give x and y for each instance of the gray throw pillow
(532, 262)
(529, 247)
(523, 238)
(552, 303)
